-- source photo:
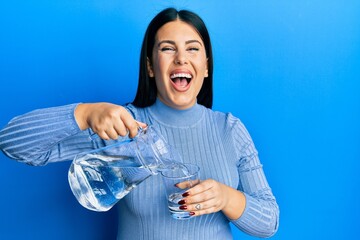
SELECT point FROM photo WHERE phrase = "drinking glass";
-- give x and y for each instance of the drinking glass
(177, 180)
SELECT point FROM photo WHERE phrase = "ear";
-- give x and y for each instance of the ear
(206, 70)
(149, 68)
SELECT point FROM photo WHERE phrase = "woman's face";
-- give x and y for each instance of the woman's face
(179, 64)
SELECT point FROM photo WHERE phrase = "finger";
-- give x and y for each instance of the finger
(129, 123)
(199, 198)
(133, 129)
(203, 211)
(112, 133)
(120, 128)
(203, 205)
(188, 184)
(141, 124)
(103, 135)
(199, 188)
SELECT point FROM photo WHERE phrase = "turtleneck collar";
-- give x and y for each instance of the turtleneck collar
(175, 117)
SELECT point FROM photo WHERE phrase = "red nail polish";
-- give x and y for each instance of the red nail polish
(182, 202)
(186, 194)
(192, 213)
(183, 207)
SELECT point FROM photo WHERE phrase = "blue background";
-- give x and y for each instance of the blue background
(289, 69)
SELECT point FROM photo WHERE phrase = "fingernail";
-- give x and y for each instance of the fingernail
(182, 202)
(186, 194)
(183, 207)
(192, 213)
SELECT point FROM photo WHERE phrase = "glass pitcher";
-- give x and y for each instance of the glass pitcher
(101, 177)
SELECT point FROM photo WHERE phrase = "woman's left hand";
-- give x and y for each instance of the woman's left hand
(208, 196)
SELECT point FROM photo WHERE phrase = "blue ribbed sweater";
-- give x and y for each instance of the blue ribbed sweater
(217, 142)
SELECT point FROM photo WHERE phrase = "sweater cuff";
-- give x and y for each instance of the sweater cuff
(66, 116)
(75, 126)
(246, 215)
(255, 220)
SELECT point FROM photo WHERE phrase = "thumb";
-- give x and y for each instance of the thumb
(187, 184)
(141, 124)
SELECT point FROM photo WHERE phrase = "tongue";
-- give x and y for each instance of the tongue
(180, 82)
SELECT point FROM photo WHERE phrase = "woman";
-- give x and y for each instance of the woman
(175, 96)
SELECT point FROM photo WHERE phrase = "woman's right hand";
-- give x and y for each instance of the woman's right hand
(108, 120)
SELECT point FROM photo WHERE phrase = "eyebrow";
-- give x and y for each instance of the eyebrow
(173, 42)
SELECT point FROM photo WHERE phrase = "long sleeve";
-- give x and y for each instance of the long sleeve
(261, 215)
(44, 135)
(217, 142)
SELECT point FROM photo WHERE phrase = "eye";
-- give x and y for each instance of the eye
(193, 49)
(167, 49)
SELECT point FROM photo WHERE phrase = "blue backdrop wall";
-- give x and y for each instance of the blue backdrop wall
(289, 69)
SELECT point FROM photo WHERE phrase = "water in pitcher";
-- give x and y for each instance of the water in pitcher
(99, 181)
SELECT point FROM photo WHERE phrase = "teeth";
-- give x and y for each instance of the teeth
(180, 75)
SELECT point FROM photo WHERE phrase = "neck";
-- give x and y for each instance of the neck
(176, 117)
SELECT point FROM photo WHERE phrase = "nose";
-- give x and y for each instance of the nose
(180, 58)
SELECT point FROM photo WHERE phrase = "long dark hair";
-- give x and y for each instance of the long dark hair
(147, 91)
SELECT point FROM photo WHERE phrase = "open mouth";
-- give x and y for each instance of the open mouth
(181, 80)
